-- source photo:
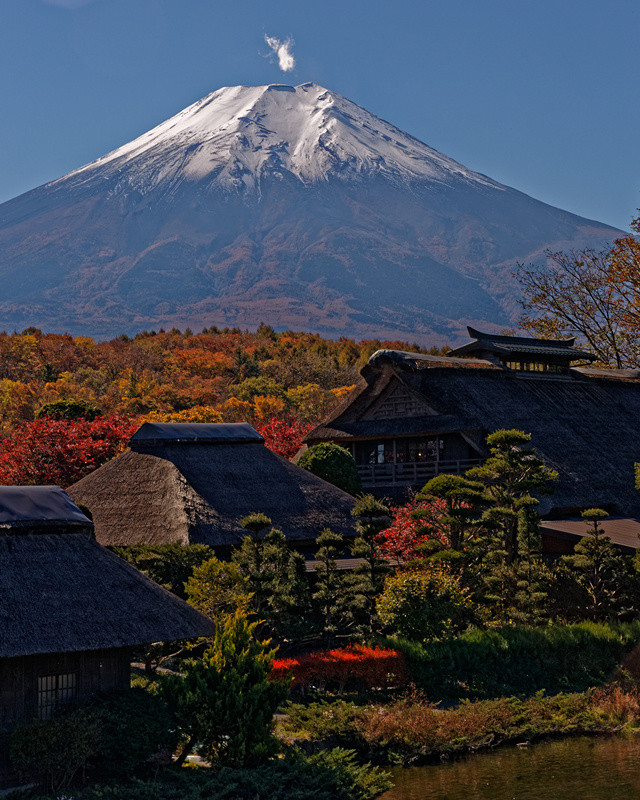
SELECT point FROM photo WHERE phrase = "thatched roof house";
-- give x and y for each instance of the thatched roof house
(413, 416)
(70, 610)
(192, 484)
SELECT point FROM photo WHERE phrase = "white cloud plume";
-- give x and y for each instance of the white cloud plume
(70, 4)
(283, 50)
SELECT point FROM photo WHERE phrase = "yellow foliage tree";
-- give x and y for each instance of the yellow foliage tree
(17, 402)
(234, 410)
(266, 407)
(195, 414)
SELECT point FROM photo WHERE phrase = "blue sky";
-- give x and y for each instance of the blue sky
(541, 96)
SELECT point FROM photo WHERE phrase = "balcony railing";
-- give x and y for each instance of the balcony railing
(411, 474)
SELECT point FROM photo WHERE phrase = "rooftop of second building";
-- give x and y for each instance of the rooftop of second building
(195, 432)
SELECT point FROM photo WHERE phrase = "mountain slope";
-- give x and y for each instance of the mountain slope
(291, 205)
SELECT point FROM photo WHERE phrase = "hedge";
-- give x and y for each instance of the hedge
(519, 660)
(357, 666)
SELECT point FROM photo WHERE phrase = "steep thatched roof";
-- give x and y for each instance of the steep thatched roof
(177, 489)
(61, 591)
(584, 424)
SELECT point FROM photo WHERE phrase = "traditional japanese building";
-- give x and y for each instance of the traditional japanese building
(193, 483)
(70, 610)
(413, 416)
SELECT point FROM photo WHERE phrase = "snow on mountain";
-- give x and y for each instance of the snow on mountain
(238, 135)
(291, 205)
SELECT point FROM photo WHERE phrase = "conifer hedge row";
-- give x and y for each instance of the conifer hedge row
(519, 660)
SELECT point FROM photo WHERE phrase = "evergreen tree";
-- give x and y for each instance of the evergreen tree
(276, 576)
(463, 500)
(288, 603)
(603, 571)
(332, 595)
(509, 475)
(249, 558)
(225, 701)
(367, 580)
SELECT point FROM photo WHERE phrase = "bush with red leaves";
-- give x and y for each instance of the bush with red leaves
(61, 452)
(356, 666)
(282, 436)
(399, 541)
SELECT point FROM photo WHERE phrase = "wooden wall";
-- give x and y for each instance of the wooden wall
(96, 670)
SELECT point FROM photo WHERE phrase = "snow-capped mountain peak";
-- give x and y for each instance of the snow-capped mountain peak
(239, 135)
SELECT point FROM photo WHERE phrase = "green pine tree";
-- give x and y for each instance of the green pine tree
(332, 596)
(367, 579)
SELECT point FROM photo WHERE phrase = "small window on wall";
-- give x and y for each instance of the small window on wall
(54, 691)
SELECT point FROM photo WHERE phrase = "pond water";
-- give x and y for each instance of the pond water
(581, 769)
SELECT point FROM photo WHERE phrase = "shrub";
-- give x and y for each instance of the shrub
(424, 605)
(519, 660)
(413, 730)
(54, 751)
(134, 725)
(329, 775)
(357, 666)
(333, 464)
(68, 409)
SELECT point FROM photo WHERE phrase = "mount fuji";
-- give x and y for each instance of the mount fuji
(286, 204)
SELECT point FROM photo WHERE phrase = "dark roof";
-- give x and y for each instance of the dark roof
(193, 432)
(584, 424)
(622, 531)
(505, 345)
(65, 593)
(198, 495)
(39, 506)
(410, 360)
(61, 591)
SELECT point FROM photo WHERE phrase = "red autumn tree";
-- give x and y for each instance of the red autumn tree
(61, 452)
(399, 541)
(282, 436)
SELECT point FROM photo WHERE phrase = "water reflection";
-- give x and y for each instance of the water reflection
(586, 769)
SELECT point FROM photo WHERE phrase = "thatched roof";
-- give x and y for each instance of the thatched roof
(63, 592)
(584, 424)
(195, 491)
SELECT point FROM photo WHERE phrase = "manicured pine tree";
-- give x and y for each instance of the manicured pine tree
(332, 596)
(603, 571)
(277, 577)
(288, 604)
(509, 475)
(463, 500)
(367, 580)
(249, 558)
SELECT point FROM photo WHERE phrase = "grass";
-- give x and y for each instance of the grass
(411, 730)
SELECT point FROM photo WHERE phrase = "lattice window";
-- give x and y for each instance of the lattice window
(398, 403)
(54, 691)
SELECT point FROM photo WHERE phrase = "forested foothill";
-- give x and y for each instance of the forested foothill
(68, 404)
